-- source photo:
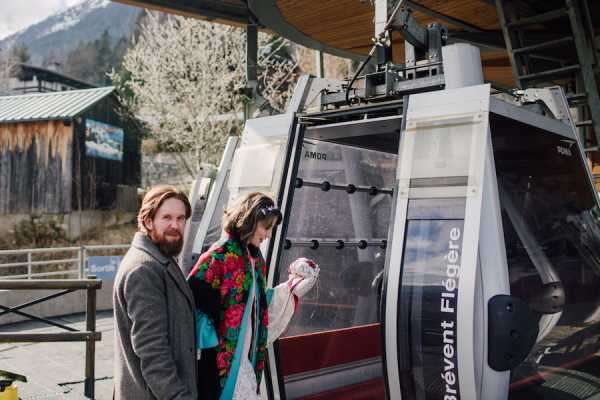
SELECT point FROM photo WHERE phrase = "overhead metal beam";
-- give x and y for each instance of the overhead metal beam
(443, 17)
(209, 9)
(381, 16)
(269, 15)
(486, 40)
(515, 61)
(586, 53)
(251, 54)
(251, 70)
(411, 30)
(590, 28)
(320, 64)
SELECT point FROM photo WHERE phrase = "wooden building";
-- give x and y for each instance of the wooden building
(25, 79)
(67, 151)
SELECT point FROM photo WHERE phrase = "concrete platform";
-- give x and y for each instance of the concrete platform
(57, 370)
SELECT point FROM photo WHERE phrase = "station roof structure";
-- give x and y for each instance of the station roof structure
(26, 72)
(345, 27)
(223, 11)
(46, 106)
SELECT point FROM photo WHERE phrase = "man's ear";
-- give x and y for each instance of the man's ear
(148, 224)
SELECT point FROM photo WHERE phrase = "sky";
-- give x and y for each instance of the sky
(17, 14)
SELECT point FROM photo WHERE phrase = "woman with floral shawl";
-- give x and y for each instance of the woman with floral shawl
(237, 317)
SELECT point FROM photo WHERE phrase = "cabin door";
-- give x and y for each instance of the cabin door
(338, 208)
(446, 255)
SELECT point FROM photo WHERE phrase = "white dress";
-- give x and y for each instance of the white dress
(281, 310)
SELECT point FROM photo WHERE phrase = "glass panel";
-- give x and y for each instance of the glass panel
(342, 310)
(552, 234)
(343, 297)
(428, 300)
(187, 258)
(441, 151)
(215, 228)
(436, 209)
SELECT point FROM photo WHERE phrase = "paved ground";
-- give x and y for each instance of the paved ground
(57, 370)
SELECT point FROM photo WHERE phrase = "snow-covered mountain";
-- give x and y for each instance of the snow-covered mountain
(58, 34)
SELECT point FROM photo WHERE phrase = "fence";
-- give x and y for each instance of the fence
(51, 262)
(89, 336)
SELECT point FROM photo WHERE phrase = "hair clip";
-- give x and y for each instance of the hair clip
(271, 211)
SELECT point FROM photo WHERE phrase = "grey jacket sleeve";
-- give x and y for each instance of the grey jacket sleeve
(144, 293)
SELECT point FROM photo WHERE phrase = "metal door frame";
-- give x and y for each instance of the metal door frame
(215, 193)
(287, 189)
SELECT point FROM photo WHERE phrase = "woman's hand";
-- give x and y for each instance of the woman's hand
(303, 276)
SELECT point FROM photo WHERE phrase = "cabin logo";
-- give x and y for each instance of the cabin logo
(564, 151)
(315, 155)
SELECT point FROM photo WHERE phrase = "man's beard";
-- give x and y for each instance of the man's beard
(169, 248)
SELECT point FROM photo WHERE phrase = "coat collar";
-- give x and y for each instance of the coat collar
(142, 242)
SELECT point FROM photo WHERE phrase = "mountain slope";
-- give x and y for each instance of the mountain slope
(58, 34)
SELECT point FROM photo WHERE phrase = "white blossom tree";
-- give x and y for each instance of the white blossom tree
(184, 78)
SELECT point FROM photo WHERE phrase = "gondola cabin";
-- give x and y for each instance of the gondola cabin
(457, 227)
(458, 236)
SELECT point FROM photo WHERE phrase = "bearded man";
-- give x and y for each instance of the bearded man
(155, 349)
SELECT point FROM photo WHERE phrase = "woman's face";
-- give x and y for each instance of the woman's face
(263, 231)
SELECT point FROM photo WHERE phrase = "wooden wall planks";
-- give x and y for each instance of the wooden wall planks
(35, 167)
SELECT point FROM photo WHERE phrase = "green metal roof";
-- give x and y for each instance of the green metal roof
(46, 106)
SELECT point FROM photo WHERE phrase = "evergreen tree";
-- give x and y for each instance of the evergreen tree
(20, 53)
(92, 61)
(103, 58)
(82, 62)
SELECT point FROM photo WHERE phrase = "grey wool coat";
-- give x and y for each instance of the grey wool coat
(155, 347)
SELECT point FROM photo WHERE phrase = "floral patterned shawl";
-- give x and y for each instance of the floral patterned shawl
(224, 272)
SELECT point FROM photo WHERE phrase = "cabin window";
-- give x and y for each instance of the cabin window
(334, 222)
(550, 221)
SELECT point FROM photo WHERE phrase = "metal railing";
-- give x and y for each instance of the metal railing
(89, 336)
(70, 261)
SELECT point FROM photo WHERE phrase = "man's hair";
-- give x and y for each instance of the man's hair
(241, 218)
(155, 198)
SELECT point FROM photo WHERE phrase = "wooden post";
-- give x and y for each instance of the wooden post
(90, 344)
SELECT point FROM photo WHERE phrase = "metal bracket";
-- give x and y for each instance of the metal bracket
(549, 300)
(553, 98)
(414, 33)
(314, 89)
(381, 89)
(512, 332)
(429, 39)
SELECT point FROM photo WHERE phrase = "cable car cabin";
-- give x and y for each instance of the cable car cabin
(458, 237)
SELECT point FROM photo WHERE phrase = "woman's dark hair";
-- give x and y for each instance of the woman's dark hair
(241, 218)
